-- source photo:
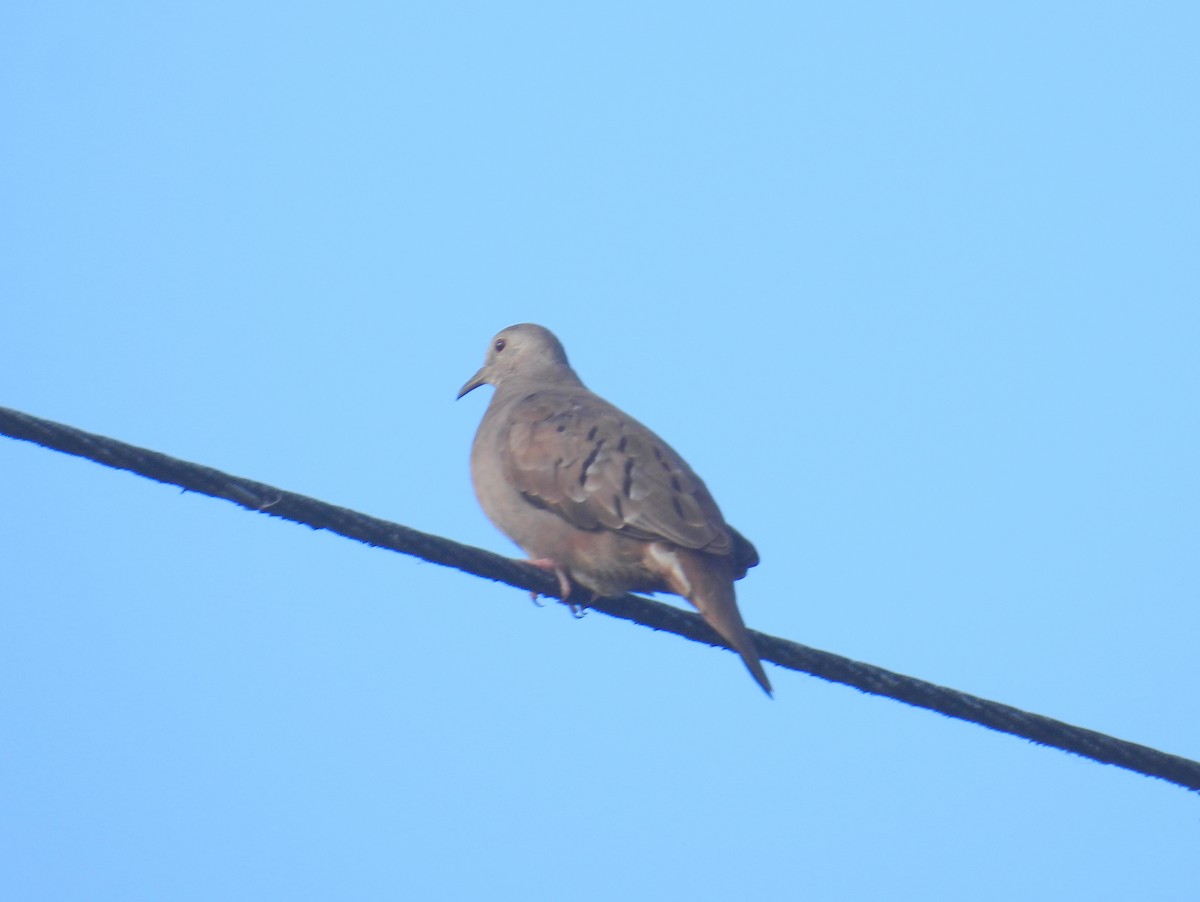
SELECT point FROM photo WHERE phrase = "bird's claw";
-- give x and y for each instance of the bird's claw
(565, 589)
(564, 584)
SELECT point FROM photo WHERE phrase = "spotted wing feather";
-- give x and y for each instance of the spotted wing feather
(598, 469)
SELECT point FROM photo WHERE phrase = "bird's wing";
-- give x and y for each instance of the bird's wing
(575, 454)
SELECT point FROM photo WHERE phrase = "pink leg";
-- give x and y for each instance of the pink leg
(564, 584)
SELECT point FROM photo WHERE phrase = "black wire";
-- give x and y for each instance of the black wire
(275, 502)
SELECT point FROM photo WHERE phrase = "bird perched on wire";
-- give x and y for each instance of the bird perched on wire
(594, 496)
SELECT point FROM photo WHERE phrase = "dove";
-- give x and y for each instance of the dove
(595, 497)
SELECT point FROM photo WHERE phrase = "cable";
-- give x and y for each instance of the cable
(257, 496)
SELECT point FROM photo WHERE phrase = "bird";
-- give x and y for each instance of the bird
(595, 497)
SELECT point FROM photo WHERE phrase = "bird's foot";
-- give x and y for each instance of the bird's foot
(565, 589)
(564, 584)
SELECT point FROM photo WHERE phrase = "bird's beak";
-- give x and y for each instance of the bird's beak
(473, 383)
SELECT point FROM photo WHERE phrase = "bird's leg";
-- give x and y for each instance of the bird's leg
(564, 584)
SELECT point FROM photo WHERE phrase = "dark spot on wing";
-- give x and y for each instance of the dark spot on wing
(589, 460)
(658, 455)
(627, 483)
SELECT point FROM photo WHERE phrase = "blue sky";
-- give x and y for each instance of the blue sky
(915, 289)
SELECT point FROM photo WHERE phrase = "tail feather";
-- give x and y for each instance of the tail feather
(708, 584)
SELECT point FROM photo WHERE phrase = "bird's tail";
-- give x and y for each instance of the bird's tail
(710, 589)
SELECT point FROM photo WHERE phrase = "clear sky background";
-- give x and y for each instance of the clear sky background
(914, 288)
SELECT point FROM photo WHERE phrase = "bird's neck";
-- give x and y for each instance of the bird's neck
(556, 376)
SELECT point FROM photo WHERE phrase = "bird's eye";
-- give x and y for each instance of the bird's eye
(500, 345)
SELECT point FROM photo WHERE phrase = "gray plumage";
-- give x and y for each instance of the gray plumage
(593, 495)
